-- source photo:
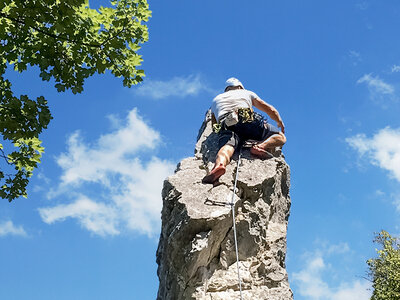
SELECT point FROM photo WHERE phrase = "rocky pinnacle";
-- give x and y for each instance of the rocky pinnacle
(196, 252)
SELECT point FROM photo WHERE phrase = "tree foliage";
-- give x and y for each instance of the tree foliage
(385, 269)
(68, 41)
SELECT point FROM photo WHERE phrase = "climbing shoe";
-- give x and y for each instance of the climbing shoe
(214, 175)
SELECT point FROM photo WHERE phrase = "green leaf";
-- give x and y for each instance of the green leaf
(384, 270)
(68, 41)
(60, 87)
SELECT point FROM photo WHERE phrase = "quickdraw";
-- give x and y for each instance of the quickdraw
(246, 115)
(217, 127)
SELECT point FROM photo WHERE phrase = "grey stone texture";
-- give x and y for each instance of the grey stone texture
(196, 253)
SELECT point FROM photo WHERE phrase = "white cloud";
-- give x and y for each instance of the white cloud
(96, 217)
(356, 290)
(376, 86)
(355, 57)
(176, 87)
(338, 249)
(395, 68)
(354, 54)
(396, 201)
(8, 228)
(127, 190)
(363, 5)
(311, 282)
(109, 154)
(382, 149)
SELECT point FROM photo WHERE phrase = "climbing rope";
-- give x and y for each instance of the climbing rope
(234, 224)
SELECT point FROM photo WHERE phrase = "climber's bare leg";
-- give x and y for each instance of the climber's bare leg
(223, 158)
(273, 141)
(266, 148)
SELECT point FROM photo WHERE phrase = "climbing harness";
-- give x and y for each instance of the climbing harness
(232, 204)
(241, 115)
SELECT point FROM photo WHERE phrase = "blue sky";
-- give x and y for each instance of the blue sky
(89, 229)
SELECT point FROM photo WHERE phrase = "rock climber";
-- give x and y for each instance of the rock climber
(235, 122)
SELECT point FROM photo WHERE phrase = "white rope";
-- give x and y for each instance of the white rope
(234, 224)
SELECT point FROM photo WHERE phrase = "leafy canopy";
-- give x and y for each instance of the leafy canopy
(68, 41)
(384, 270)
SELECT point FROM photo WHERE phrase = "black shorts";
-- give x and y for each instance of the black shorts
(237, 134)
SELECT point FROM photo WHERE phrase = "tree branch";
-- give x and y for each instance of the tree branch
(118, 33)
(3, 155)
(55, 36)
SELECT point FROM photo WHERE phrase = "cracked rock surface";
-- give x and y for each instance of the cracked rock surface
(196, 252)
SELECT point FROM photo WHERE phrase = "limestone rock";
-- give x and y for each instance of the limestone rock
(196, 252)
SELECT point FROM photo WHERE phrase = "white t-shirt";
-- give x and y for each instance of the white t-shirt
(232, 100)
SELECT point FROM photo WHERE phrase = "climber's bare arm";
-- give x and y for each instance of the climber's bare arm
(270, 111)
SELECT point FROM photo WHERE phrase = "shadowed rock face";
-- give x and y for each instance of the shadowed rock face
(196, 253)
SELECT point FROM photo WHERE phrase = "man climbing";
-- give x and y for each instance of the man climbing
(234, 120)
